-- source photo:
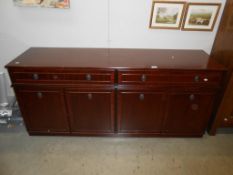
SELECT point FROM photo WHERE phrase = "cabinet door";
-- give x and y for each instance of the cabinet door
(140, 112)
(188, 113)
(91, 112)
(43, 110)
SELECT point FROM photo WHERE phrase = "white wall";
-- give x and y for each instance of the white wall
(91, 23)
(129, 21)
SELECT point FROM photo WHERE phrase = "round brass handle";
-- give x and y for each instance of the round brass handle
(205, 79)
(39, 95)
(143, 78)
(88, 77)
(192, 97)
(194, 107)
(35, 76)
(225, 119)
(55, 77)
(89, 96)
(141, 96)
(197, 78)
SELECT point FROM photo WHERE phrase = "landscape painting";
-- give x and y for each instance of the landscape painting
(167, 15)
(62, 4)
(201, 16)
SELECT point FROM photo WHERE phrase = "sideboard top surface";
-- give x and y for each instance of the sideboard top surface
(114, 58)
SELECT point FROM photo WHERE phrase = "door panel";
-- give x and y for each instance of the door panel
(43, 110)
(140, 112)
(91, 111)
(188, 113)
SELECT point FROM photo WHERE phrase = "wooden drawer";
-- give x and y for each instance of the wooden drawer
(172, 77)
(143, 77)
(196, 77)
(58, 77)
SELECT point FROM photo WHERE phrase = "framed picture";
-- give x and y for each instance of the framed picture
(32, 3)
(62, 4)
(201, 16)
(167, 14)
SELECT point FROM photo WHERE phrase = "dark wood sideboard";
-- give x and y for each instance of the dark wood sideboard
(222, 52)
(115, 92)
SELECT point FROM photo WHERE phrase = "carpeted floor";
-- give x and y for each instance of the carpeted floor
(21, 154)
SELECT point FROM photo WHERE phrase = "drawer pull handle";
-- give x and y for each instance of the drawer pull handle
(89, 96)
(205, 79)
(192, 97)
(35, 76)
(194, 107)
(39, 95)
(226, 119)
(55, 77)
(143, 78)
(88, 77)
(196, 78)
(141, 96)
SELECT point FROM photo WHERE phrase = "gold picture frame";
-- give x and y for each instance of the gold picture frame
(167, 14)
(201, 16)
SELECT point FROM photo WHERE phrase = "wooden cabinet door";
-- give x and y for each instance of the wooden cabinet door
(91, 112)
(188, 113)
(43, 110)
(140, 112)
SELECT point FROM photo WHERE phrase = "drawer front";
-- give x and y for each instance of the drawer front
(80, 77)
(172, 77)
(196, 77)
(142, 77)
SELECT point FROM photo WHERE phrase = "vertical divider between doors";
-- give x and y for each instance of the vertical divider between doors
(67, 109)
(116, 102)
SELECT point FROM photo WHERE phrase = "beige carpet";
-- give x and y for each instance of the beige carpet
(21, 154)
